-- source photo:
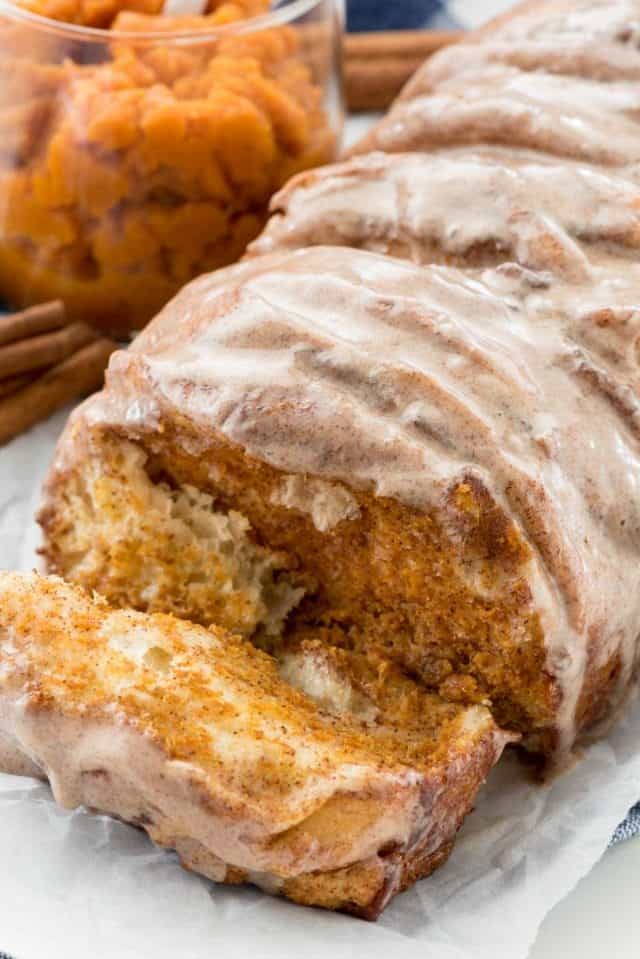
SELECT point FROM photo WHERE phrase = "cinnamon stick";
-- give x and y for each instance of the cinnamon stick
(377, 65)
(39, 352)
(76, 376)
(415, 44)
(374, 85)
(14, 383)
(43, 318)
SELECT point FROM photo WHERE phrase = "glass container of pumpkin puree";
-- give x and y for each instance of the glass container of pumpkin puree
(140, 145)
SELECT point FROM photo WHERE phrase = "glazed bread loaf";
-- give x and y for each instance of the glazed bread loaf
(570, 117)
(192, 735)
(434, 465)
(532, 130)
(413, 482)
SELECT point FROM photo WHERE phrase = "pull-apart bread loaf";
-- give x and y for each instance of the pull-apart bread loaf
(426, 463)
(412, 484)
(193, 735)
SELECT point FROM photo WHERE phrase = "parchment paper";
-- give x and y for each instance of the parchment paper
(73, 885)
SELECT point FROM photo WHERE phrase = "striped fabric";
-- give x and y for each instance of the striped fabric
(629, 828)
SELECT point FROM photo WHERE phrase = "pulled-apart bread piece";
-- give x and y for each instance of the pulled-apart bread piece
(466, 207)
(193, 735)
(443, 462)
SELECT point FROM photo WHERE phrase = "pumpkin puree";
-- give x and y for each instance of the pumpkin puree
(127, 167)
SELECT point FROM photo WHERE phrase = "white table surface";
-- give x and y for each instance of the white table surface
(601, 917)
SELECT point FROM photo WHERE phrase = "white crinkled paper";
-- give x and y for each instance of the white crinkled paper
(74, 885)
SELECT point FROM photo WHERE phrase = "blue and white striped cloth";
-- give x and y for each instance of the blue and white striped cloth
(629, 828)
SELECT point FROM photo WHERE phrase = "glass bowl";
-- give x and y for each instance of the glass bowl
(138, 153)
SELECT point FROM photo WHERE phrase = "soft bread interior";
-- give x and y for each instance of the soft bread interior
(151, 546)
(284, 563)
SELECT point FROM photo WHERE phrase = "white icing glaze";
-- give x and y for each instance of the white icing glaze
(561, 20)
(597, 39)
(530, 208)
(496, 103)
